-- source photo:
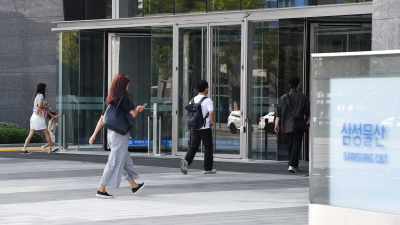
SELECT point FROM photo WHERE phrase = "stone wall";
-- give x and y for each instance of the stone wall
(27, 55)
(386, 25)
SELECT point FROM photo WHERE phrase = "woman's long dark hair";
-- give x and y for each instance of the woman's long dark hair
(41, 89)
(117, 88)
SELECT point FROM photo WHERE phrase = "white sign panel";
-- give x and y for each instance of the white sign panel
(364, 148)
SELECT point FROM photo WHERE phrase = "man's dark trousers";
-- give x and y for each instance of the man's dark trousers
(294, 139)
(197, 136)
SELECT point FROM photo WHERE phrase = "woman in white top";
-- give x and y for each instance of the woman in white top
(37, 121)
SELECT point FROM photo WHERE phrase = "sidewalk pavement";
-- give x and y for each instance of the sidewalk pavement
(34, 190)
(236, 165)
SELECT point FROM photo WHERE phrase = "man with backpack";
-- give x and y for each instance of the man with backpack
(200, 115)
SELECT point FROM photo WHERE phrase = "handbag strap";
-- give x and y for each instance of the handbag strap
(120, 100)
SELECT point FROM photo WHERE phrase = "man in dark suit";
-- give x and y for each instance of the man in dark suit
(299, 107)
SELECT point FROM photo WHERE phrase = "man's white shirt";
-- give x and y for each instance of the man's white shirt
(206, 106)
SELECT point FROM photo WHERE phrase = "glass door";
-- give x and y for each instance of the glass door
(263, 96)
(212, 52)
(344, 38)
(161, 89)
(131, 55)
(145, 59)
(226, 84)
(192, 67)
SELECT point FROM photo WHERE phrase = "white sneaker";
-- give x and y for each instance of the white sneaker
(292, 169)
(54, 149)
(213, 171)
(25, 152)
(43, 148)
(184, 166)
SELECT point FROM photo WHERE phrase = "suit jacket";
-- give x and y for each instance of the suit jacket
(300, 107)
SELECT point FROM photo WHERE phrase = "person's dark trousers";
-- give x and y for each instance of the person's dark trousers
(294, 140)
(197, 136)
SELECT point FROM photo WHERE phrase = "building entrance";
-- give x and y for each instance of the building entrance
(212, 52)
(131, 54)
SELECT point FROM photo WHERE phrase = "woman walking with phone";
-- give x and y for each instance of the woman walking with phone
(119, 161)
(38, 121)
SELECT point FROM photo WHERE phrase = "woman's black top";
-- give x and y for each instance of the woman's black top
(126, 105)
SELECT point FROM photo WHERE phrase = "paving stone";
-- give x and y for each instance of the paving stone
(62, 192)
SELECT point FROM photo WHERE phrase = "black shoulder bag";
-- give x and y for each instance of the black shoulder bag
(117, 120)
(298, 123)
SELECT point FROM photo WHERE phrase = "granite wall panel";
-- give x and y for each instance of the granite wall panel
(27, 55)
(386, 25)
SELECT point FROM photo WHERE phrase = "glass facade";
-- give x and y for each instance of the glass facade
(327, 2)
(90, 96)
(278, 52)
(226, 87)
(211, 51)
(192, 67)
(259, 4)
(132, 8)
(162, 85)
(291, 50)
(184, 6)
(146, 58)
(223, 5)
(131, 56)
(277, 55)
(80, 84)
(102, 9)
(157, 7)
(68, 84)
(87, 9)
(342, 39)
(264, 89)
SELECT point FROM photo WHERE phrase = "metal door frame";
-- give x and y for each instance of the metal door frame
(208, 46)
(175, 91)
(243, 89)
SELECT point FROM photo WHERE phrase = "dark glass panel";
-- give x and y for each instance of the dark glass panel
(192, 64)
(130, 8)
(87, 9)
(185, 6)
(90, 84)
(67, 93)
(224, 5)
(226, 84)
(161, 84)
(155, 7)
(291, 35)
(264, 89)
(295, 3)
(259, 4)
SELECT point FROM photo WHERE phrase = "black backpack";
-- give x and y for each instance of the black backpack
(195, 118)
